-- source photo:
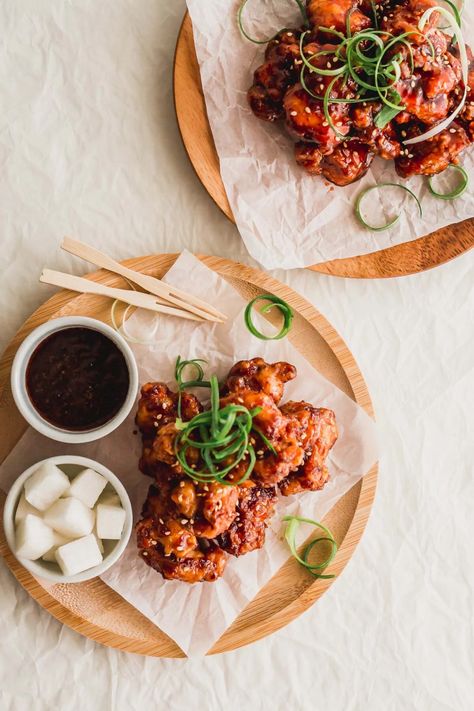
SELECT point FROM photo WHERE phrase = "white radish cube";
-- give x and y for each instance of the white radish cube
(110, 521)
(25, 508)
(33, 538)
(79, 555)
(99, 540)
(87, 486)
(50, 556)
(45, 486)
(110, 498)
(70, 517)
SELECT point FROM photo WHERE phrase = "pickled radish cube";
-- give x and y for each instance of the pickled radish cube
(25, 508)
(33, 538)
(70, 517)
(110, 521)
(99, 540)
(87, 486)
(110, 498)
(45, 486)
(59, 540)
(79, 555)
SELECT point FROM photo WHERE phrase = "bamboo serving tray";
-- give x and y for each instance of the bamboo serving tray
(96, 611)
(408, 258)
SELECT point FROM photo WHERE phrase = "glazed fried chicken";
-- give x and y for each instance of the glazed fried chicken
(333, 14)
(339, 138)
(189, 527)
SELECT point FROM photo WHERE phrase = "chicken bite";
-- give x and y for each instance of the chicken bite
(247, 532)
(257, 375)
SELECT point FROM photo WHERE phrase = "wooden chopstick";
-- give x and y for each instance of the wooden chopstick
(134, 298)
(151, 284)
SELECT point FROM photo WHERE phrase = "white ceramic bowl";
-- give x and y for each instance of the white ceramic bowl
(70, 465)
(20, 393)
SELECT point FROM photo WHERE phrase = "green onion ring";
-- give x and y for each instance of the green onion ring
(393, 222)
(293, 523)
(458, 191)
(274, 301)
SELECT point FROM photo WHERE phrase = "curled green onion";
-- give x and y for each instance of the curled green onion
(364, 193)
(244, 32)
(274, 301)
(292, 526)
(196, 382)
(457, 191)
(222, 437)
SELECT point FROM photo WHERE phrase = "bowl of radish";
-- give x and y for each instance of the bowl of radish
(67, 519)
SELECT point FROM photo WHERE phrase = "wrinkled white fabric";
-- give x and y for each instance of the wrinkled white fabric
(89, 147)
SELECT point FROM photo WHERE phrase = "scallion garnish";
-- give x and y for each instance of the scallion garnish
(196, 382)
(218, 439)
(364, 193)
(274, 301)
(221, 438)
(457, 191)
(292, 526)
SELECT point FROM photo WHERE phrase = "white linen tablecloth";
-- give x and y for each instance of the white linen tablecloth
(89, 147)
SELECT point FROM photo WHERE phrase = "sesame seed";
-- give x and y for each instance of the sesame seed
(167, 533)
(307, 109)
(452, 130)
(184, 521)
(181, 483)
(160, 520)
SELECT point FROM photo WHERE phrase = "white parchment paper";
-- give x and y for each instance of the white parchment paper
(287, 218)
(195, 616)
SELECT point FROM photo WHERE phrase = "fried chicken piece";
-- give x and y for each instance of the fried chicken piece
(257, 375)
(433, 156)
(158, 405)
(247, 532)
(305, 119)
(272, 79)
(185, 497)
(334, 13)
(347, 163)
(208, 508)
(405, 15)
(172, 548)
(217, 511)
(309, 157)
(318, 433)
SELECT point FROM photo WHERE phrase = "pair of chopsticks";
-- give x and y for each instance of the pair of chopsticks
(160, 297)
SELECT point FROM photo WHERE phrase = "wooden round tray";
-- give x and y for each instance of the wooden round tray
(408, 258)
(92, 608)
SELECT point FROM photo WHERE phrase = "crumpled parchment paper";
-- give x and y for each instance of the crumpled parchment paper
(195, 616)
(287, 218)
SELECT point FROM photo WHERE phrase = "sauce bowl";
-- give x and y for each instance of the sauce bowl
(20, 390)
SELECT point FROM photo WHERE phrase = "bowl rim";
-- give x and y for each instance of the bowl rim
(20, 393)
(38, 569)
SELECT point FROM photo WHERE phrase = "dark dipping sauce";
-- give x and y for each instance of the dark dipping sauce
(77, 379)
